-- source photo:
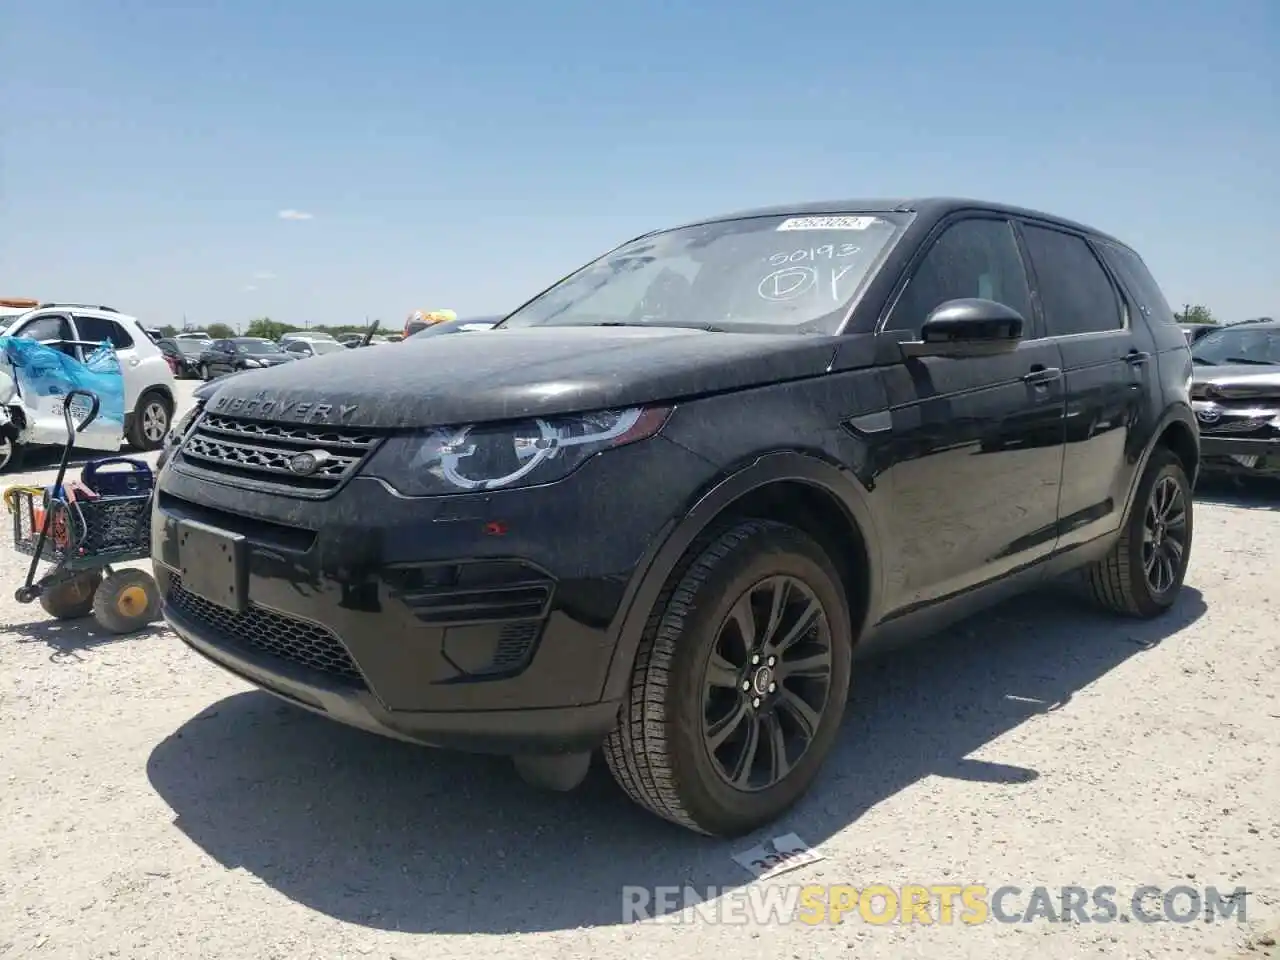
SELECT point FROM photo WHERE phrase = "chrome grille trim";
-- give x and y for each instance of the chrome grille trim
(257, 453)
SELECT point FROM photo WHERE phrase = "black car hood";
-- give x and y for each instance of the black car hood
(512, 373)
(1239, 382)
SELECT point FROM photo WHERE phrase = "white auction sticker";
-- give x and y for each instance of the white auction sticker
(779, 855)
(827, 223)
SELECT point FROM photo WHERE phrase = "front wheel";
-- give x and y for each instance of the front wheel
(126, 601)
(10, 453)
(739, 684)
(1143, 573)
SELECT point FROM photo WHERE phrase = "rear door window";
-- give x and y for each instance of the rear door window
(98, 329)
(1075, 290)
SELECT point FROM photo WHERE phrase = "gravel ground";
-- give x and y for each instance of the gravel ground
(157, 807)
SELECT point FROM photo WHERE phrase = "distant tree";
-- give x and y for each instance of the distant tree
(168, 330)
(219, 331)
(269, 329)
(1197, 313)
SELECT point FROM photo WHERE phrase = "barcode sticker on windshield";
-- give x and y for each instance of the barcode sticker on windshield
(827, 223)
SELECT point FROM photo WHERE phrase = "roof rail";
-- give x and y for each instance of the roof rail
(82, 306)
(1252, 320)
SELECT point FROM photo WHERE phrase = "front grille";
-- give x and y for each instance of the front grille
(287, 638)
(261, 451)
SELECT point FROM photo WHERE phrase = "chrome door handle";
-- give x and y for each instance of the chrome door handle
(1042, 375)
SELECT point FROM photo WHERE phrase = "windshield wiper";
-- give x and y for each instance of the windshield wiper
(1251, 362)
(1207, 363)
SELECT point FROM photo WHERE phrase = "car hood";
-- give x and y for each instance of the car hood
(1238, 382)
(513, 373)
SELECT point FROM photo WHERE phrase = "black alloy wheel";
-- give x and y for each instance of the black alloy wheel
(768, 677)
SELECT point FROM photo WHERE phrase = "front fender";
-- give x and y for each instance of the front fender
(654, 569)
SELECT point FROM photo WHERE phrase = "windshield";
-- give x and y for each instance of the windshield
(1238, 345)
(257, 346)
(190, 348)
(327, 346)
(765, 274)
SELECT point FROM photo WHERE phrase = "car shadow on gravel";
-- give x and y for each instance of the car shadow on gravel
(67, 639)
(393, 836)
(1255, 493)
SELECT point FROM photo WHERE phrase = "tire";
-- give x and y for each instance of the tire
(126, 601)
(71, 599)
(1120, 582)
(152, 418)
(659, 753)
(204, 372)
(11, 454)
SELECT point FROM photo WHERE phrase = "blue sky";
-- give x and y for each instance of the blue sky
(466, 155)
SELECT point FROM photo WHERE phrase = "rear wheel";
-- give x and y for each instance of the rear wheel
(71, 599)
(1143, 574)
(739, 684)
(151, 420)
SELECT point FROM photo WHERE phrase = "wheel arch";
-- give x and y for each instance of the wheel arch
(1177, 432)
(800, 489)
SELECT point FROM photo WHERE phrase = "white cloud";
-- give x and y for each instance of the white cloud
(295, 215)
(264, 275)
(250, 289)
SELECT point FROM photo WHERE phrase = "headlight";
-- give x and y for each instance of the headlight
(250, 362)
(502, 456)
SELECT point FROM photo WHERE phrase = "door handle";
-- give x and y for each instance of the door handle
(1041, 375)
(1136, 358)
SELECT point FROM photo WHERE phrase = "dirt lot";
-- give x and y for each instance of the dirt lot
(155, 807)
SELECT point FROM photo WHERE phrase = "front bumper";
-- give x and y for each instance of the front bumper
(414, 617)
(1239, 455)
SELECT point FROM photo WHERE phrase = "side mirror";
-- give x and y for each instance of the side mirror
(967, 328)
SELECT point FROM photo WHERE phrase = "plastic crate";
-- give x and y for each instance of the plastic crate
(105, 528)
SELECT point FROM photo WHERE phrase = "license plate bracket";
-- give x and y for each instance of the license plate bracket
(212, 564)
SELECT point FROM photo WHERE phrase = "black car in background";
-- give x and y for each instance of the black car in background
(1236, 395)
(183, 356)
(221, 357)
(658, 509)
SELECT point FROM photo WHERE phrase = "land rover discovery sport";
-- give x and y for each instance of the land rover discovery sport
(653, 511)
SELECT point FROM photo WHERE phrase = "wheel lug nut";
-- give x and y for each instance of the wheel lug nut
(746, 685)
(755, 658)
(755, 702)
(772, 661)
(773, 687)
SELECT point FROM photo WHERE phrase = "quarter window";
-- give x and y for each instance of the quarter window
(972, 258)
(1075, 291)
(97, 329)
(1142, 285)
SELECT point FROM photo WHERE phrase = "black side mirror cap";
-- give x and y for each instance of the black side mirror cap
(971, 327)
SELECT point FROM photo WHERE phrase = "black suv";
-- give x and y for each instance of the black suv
(655, 509)
(1236, 396)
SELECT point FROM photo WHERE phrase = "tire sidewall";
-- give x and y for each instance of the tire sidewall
(139, 438)
(772, 550)
(1162, 465)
